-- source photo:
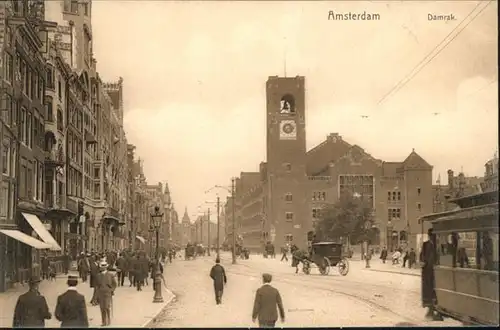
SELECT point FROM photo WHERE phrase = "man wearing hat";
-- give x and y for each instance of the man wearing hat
(106, 285)
(31, 308)
(218, 274)
(267, 300)
(84, 267)
(71, 309)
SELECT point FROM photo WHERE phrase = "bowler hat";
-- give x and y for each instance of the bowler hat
(72, 280)
(34, 280)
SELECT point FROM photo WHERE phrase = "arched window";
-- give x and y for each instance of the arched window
(287, 104)
(60, 122)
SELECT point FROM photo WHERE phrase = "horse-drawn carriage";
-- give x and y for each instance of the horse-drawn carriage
(190, 252)
(325, 255)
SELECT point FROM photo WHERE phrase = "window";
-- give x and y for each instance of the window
(50, 77)
(27, 81)
(289, 216)
(60, 122)
(29, 181)
(419, 206)
(36, 126)
(6, 109)
(40, 181)
(9, 67)
(418, 191)
(288, 197)
(49, 110)
(29, 135)
(59, 89)
(22, 188)
(319, 196)
(394, 196)
(35, 181)
(6, 157)
(23, 125)
(316, 213)
(394, 214)
(74, 6)
(4, 200)
(86, 9)
(34, 84)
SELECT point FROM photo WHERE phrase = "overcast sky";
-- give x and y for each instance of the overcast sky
(195, 72)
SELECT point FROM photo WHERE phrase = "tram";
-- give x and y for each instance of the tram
(466, 270)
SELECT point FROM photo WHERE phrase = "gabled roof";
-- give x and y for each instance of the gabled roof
(329, 151)
(414, 161)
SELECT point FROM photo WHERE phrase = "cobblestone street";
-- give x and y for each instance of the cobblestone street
(309, 300)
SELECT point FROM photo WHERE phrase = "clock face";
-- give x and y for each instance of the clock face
(288, 130)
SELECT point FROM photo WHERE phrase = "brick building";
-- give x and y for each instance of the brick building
(280, 202)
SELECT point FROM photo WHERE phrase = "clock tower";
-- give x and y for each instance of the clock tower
(288, 205)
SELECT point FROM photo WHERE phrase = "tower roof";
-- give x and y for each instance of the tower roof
(415, 161)
(185, 217)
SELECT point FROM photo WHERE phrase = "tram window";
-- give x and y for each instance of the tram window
(457, 249)
(488, 250)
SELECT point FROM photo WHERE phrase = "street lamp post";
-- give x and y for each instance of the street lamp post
(389, 235)
(208, 231)
(234, 221)
(218, 226)
(156, 219)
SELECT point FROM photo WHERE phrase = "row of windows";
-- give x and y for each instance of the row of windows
(317, 196)
(31, 180)
(73, 6)
(6, 202)
(396, 195)
(30, 80)
(462, 249)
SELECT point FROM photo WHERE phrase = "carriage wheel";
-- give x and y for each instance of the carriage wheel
(306, 267)
(324, 268)
(343, 266)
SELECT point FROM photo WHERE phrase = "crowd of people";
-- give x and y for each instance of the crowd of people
(104, 272)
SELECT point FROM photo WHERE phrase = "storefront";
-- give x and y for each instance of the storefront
(15, 249)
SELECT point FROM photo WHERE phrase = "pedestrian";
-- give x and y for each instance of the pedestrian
(71, 309)
(284, 251)
(84, 267)
(405, 258)
(120, 269)
(412, 258)
(428, 258)
(106, 285)
(267, 301)
(218, 275)
(131, 260)
(45, 267)
(94, 271)
(31, 309)
(66, 263)
(383, 255)
(368, 257)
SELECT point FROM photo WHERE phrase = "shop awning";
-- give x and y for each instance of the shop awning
(142, 239)
(40, 229)
(26, 239)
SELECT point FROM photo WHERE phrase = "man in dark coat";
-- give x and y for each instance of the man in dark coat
(218, 274)
(94, 271)
(120, 269)
(428, 259)
(106, 285)
(71, 308)
(267, 300)
(131, 260)
(31, 309)
(84, 267)
(45, 267)
(383, 255)
(66, 263)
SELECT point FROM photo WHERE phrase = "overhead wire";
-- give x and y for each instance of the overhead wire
(429, 57)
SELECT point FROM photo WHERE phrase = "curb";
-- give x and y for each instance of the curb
(393, 272)
(165, 304)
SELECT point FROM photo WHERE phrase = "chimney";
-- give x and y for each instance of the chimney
(451, 185)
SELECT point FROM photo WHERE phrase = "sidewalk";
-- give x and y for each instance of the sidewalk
(131, 308)
(388, 267)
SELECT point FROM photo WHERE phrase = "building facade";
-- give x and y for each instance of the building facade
(281, 202)
(70, 182)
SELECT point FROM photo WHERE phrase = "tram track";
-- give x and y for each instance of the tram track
(286, 279)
